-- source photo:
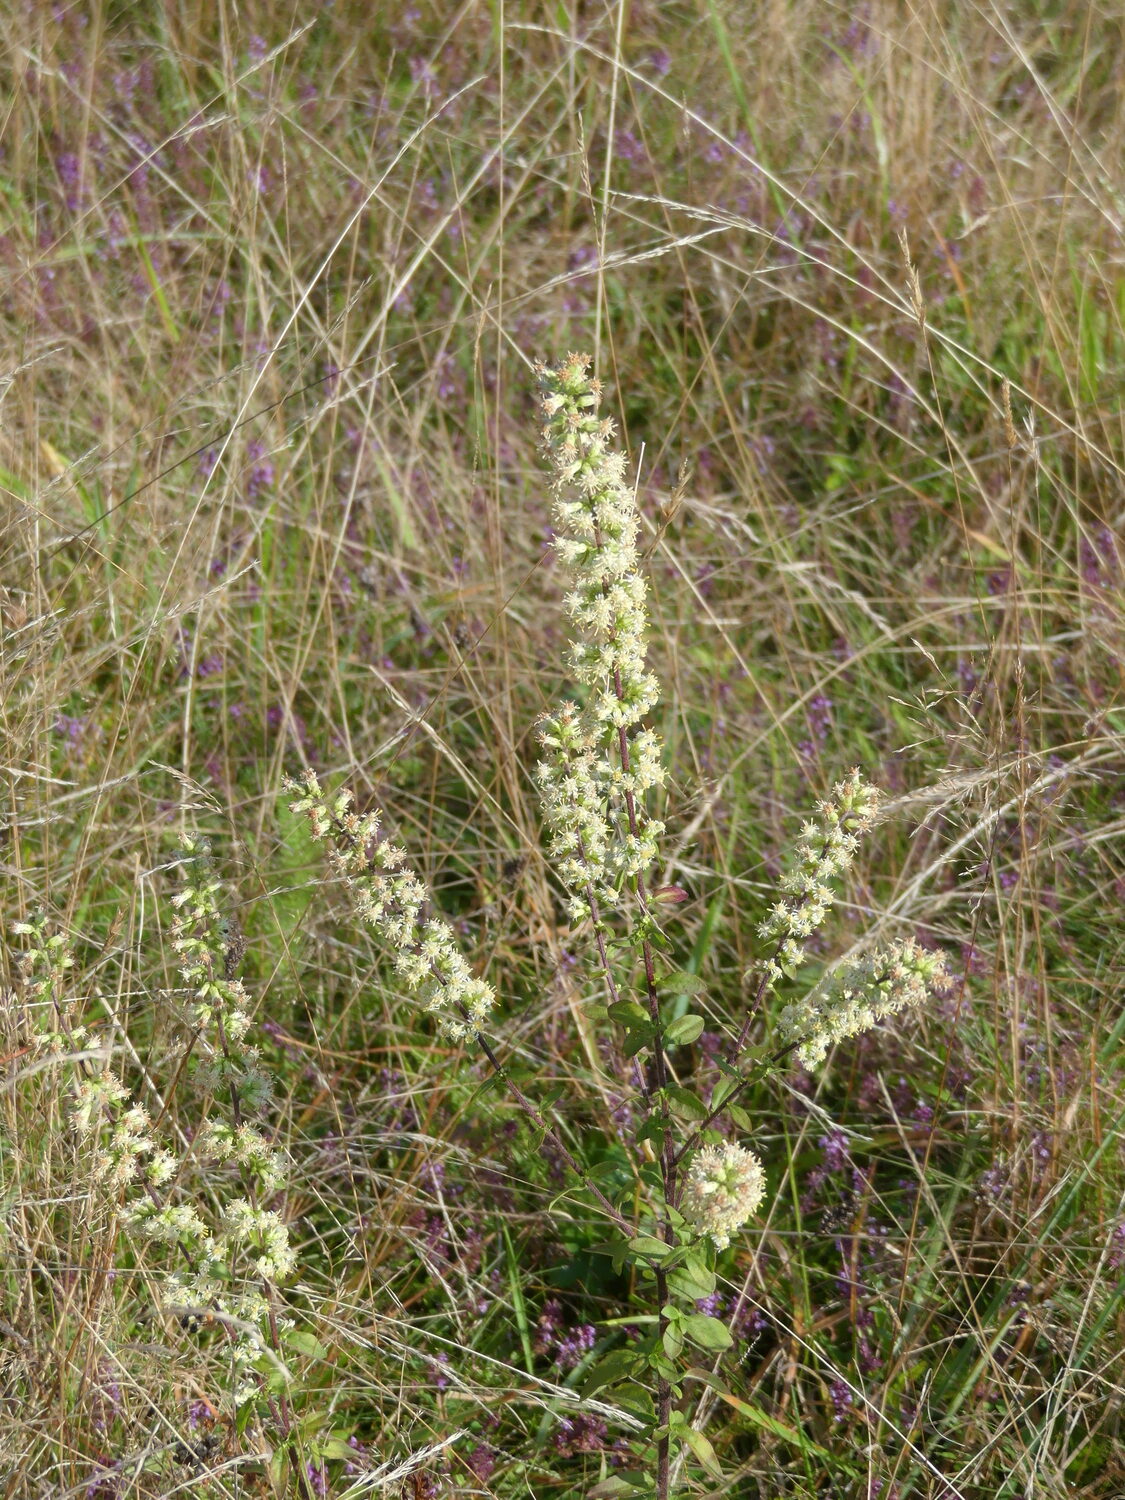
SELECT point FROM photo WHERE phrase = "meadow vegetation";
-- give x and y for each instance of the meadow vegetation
(273, 291)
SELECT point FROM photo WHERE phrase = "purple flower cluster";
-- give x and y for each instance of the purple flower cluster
(261, 473)
(840, 1393)
(567, 1348)
(819, 717)
(107, 1397)
(482, 1462)
(1100, 560)
(580, 1434)
(71, 728)
(106, 1481)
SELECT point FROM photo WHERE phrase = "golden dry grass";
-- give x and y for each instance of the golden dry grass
(270, 291)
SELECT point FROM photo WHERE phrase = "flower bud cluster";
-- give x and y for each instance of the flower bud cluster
(723, 1187)
(392, 899)
(598, 764)
(118, 1132)
(574, 795)
(825, 850)
(207, 948)
(241, 1145)
(860, 995)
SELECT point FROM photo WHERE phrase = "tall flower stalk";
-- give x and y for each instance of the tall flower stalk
(601, 760)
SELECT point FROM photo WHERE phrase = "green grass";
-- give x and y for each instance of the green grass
(854, 523)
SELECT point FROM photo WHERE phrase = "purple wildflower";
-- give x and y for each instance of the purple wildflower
(69, 169)
(566, 1347)
(199, 1414)
(573, 1347)
(107, 1398)
(580, 1434)
(837, 1155)
(261, 473)
(106, 1482)
(422, 73)
(712, 1306)
(841, 1393)
(70, 728)
(482, 1461)
(360, 1463)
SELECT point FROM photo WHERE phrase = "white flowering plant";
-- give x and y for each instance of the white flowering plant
(205, 1212)
(693, 1188)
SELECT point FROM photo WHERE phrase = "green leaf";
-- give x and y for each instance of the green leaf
(647, 1247)
(684, 1103)
(692, 1281)
(621, 1364)
(636, 1038)
(760, 1419)
(683, 982)
(601, 1170)
(305, 1343)
(680, 1033)
(336, 1447)
(628, 1012)
(673, 1341)
(628, 1484)
(708, 1333)
(618, 1488)
(701, 1447)
(724, 1090)
(519, 1306)
(652, 1130)
(652, 1177)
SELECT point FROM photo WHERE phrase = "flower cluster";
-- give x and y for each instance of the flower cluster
(599, 762)
(825, 849)
(231, 1270)
(222, 1142)
(859, 995)
(392, 899)
(124, 1148)
(722, 1189)
(581, 790)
